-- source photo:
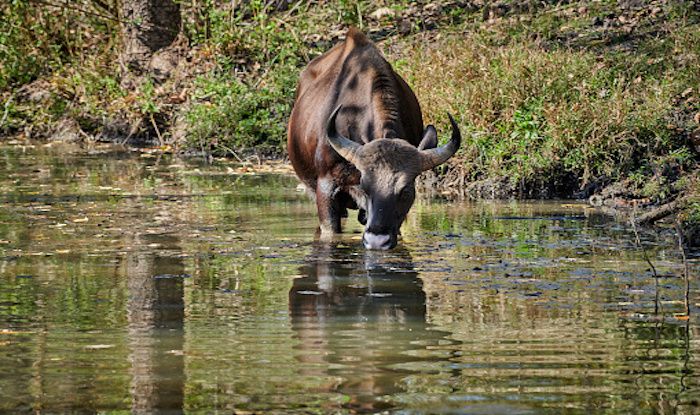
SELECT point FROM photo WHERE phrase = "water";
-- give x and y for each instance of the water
(143, 283)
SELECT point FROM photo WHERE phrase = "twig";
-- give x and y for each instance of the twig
(359, 15)
(681, 247)
(132, 131)
(66, 6)
(85, 135)
(686, 277)
(160, 138)
(255, 156)
(646, 258)
(232, 153)
(292, 9)
(104, 6)
(205, 155)
(7, 110)
(661, 212)
(639, 243)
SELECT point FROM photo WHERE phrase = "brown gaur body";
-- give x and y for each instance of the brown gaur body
(356, 139)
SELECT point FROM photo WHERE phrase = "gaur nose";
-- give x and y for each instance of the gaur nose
(378, 241)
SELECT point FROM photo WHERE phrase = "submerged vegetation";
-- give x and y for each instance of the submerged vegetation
(558, 98)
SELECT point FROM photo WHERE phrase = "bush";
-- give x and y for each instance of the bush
(229, 114)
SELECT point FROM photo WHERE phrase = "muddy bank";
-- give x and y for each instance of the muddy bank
(676, 209)
(673, 205)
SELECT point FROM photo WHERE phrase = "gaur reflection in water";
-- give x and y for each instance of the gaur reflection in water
(360, 315)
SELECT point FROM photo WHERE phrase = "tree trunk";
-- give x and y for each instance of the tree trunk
(150, 28)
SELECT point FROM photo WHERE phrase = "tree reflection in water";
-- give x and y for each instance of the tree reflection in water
(155, 325)
(358, 318)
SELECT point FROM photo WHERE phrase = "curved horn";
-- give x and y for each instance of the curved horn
(436, 156)
(348, 149)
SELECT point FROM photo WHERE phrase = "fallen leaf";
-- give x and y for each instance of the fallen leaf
(99, 346)
(8, 331)
(382, 12)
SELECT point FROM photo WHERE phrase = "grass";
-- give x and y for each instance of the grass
(553, 113)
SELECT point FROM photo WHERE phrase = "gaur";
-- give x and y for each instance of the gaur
(356, 140)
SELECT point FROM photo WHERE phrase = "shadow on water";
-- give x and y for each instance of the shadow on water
(355, 316)
(156, 312)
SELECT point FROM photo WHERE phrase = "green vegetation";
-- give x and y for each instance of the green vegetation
(540, 110)
(555, 98)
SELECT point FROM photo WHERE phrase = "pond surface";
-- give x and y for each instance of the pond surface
(139, 283)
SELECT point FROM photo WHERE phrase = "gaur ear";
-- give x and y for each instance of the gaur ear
(429, 140)
(435, 156)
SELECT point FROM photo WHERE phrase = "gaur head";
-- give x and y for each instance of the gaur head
(388, 169)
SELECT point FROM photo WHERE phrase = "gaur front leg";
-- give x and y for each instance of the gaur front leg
(329, 210)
